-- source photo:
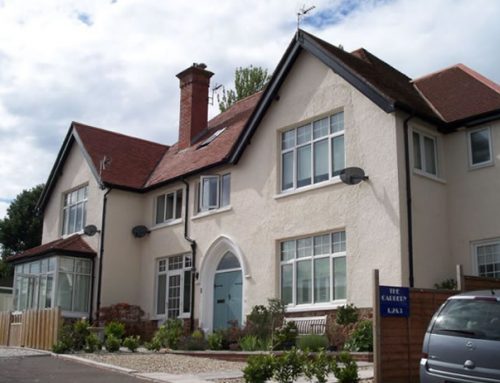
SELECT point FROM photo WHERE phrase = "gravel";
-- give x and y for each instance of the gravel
(168, 363)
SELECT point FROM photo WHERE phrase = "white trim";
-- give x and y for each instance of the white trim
(483, 164)
(174, 220)
(333, 181)
(208, 268)
(474, 245)
(422, 135)
(207, 213)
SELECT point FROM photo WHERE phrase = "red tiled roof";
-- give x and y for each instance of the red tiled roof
(459, 92)
(72, 245)
(176, 163)
(392, 83)
(131, 159)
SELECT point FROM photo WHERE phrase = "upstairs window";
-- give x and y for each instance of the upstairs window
(425, 153)
(312, 153)
(214, 192)
(75, 210)
(169, 207)
(480, 147)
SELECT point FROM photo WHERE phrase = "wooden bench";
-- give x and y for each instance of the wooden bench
(309, 325)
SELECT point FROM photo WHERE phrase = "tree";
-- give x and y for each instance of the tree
(247, 81)
(21, 229)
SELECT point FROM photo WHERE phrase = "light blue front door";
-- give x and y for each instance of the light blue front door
(227, 299)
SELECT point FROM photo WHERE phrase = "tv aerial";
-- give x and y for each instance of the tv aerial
(353, 176)
(302, 12)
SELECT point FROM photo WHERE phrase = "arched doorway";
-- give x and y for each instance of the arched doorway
(223, 264)
(228, 292)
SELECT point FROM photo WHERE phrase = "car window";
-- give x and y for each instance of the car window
(472, 318)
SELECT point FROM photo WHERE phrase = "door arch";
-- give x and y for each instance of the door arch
(209, 270)
(228, 293)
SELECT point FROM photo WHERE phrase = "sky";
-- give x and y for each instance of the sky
(112, 63)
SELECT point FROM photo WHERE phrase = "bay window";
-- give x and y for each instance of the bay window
(173, 286)
(75, 210)
(312, 153)
(168, 207)
(313, 269)
(55, 281)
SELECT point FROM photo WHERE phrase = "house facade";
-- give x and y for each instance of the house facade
(250, 205)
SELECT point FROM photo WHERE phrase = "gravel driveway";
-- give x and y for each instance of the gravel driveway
(168, 363)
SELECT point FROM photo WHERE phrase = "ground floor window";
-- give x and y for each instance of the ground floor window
(173, 286)
(487, 255)
(313, 269)
(55, 281)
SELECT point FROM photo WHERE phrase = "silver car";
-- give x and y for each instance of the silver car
(462, 342)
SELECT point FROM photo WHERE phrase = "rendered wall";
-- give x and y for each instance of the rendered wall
(260, 217)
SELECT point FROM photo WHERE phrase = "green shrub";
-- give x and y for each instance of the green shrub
(60, 347)
(318, 367)
(347, 314)
(132, 342)
(215, 341)
(312, 342)
(195, 342)
(259, 369)
(198, 334)
(169, 333)
(263, 320)
(115, 329)
(92, 343)
(154, 345)
(288, 366)
(447, 284)
(285, 337)
(362, 337)
(249, 343)
(80, 333)
(347, 370)
(112, 343)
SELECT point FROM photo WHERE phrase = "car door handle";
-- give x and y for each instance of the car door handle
(221, 300)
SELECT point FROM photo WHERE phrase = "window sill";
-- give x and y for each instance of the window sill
(211, 212)
(481, 165)
(80, 232)
(166, 224)
(429, 176)
(74, 314)
(334, 181)
(164, 318)
(316, 307)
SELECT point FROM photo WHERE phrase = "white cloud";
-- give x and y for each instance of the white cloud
(113, 64)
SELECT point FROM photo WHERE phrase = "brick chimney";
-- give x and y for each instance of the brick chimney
(194, 84)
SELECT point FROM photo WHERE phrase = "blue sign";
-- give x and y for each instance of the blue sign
(394, 301)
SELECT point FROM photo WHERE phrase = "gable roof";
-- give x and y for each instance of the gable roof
(131, 160)
(459, 92)
(74, 245)
(141, 165)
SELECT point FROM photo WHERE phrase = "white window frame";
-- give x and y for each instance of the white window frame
(329, 137)
(22, 271)
(293, 306)
(475, 246)
(218, 205)
(65, 230)
(469, 148)
(174, 218)
(422, 169)
(186, 266)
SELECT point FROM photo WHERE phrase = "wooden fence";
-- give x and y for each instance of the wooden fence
(31, 328)
(398, 340)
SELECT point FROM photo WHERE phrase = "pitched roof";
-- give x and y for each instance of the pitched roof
(73, 245)
(459, 92)
(177, 163)
(394, 85)
(141, 165)
(131, 160)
